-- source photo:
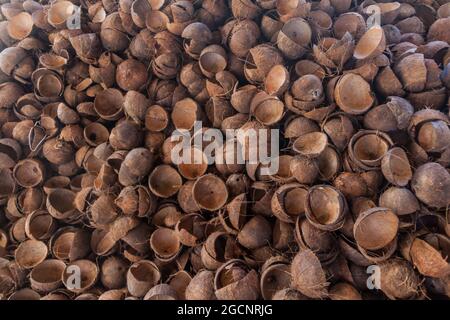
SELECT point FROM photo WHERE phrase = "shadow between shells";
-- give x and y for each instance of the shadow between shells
(91, 91)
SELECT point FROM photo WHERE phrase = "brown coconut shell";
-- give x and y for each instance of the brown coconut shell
(88, 271)
(375, 228)
(428, 261)
(190, 229)
(308, 276)
(321, 242)
(29, 172)
(30, 253)
(371, 44)
(401, 200)
(274, 277)
(288, 202)
(305, 170)
(165, 243)
(212, 186)
(311, 144)
(430, 183)
(353, 94)
(47, 275)
(39, 225)
(201, 287)
(398, 279)
(255, 233)
(234, 281)
(325, 207)
(113, 272)
(164, 181)
(358, 149)
(141, 277)
(396, 168)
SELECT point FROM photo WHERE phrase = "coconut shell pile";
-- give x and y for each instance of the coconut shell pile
(359, 91)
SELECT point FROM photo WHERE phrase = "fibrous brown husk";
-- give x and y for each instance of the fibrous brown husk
(201, 287)
(398, 279)
(308, 276)
(30, 253)
(233, 281)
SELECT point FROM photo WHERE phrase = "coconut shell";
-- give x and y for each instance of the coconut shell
(113, 272)
(190, 229)
(353, 94)
(161, 292)
(431, 183)
(255, 233)
(165, 243)
(88, 271)
(371, 44)
(375, 228)
(216, 190)
(310, 144)
(233, 281)
(428, 260)
(401, 200)
(398, 279)
(344, 291)
(47, 276)
(308, 276)
(396, 168)
(30, 253)
(142, 276)
(164, 181)
(288, 202)
(325, 207)
(201, 287)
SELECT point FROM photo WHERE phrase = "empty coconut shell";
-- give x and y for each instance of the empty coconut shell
(353, 94)
(142, 276)
(375, 228)
(396, 168)
(371, 44)
(87, 272)
(325, 207)
(210, 192)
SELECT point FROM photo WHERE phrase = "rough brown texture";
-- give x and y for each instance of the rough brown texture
(88, 181)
